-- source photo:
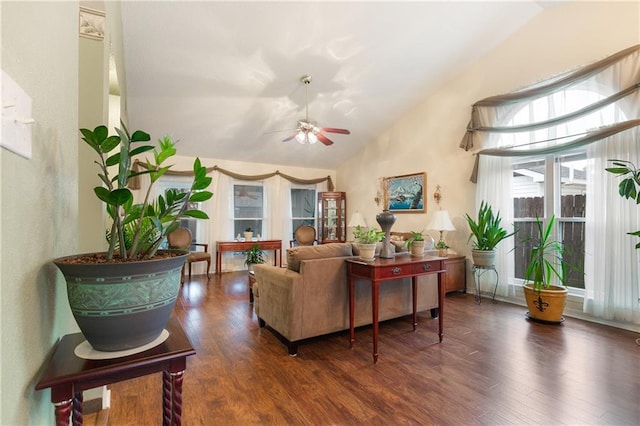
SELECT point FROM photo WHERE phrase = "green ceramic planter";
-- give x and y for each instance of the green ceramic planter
(120, 306)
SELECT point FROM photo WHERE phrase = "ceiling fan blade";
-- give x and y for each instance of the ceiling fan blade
(289, 138)
(333, 130)
(325, 140)
(278, 131)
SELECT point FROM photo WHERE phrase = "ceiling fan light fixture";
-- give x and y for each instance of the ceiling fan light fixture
(306, 137)
(308, 132)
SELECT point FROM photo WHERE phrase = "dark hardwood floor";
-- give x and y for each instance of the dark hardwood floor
(493, 367)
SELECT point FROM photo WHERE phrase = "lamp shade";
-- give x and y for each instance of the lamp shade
(441, 221)
(356, 220)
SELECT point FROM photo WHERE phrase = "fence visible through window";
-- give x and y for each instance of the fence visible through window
(571, 230)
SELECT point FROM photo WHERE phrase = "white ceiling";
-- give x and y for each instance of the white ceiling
(219, 75)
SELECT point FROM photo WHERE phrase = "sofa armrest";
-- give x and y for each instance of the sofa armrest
(278, 296)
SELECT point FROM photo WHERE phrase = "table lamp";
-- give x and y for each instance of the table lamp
(356, 220)
(441, 222)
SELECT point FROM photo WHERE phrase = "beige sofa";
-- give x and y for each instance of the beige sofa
(309, 298)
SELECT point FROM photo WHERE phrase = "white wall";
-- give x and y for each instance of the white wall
(39, 202)
(427, 138)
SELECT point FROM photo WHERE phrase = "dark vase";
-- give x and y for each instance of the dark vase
(122, 305)
(386, 219)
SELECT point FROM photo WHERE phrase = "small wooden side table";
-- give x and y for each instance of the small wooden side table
(68, 375)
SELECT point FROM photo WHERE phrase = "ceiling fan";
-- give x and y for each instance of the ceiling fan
(307, 132)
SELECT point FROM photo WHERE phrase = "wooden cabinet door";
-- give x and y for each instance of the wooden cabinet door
(456, 273)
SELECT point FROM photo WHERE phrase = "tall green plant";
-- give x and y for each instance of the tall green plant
(486, 229)
(137, 230)
(545, 260)
(629, 187)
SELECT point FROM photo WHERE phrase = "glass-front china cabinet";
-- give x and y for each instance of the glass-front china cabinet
(332, 211)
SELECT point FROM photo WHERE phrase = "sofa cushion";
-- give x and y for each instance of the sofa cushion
(296, 254)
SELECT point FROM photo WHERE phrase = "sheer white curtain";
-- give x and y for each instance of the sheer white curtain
(285, 227)
(220, 211)
(275, 189)
(612, 288)
(494, 187)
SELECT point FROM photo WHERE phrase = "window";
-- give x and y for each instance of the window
(555, 184)
(191, 223)
(248, 208)
(303, 207)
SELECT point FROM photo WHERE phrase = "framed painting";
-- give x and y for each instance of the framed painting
(405, 194)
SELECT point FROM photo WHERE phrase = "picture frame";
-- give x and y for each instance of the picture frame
(91, 23)
(405, 193)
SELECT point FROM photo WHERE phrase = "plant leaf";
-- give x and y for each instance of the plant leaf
(109, 143)
(120, 196)
(200, 196)
(198, 214)
(140, 136)
(103, 194)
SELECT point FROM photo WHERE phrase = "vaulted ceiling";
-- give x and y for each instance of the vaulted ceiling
(224, 76)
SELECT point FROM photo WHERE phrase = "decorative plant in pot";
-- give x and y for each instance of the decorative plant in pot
(367, 241)
(545, 300)
(442, 248)
(487, 232)
(123, 298)
(254, 255)
(415, 244)
(248, 234)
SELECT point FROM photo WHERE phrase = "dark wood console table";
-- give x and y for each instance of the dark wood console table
(68, 375)
(237, 246)
(400, 266)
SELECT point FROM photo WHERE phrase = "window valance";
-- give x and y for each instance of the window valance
(576, 143)
(138, 165)
(620, 71)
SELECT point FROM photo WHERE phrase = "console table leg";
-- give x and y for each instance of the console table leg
(375, 295)
(176, 397)
(166, 398)
(442, 288)
(62, 412)
(351, 311)
(414, 291)
(76, 414)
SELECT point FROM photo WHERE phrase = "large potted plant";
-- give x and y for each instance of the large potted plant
(545, 276)
(367, 241)
(123, 298)
(486, 232)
